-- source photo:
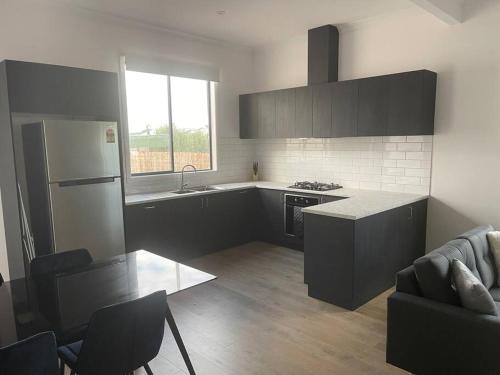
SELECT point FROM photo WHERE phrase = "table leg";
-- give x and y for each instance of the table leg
(178, 339)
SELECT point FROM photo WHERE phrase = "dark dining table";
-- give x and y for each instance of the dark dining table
(63, 303)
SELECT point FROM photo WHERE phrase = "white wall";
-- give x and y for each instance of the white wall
(53, 32)
(465, 180)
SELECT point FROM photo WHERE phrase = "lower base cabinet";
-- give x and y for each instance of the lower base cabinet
(189, 227)
(349, 262)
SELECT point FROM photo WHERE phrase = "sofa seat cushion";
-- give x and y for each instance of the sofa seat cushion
(433, 270)
(484, 258)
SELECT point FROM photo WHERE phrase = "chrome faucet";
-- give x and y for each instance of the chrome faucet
(183, 185)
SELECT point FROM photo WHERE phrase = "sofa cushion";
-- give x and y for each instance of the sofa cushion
(406, 281)
(495, 293)
(433, 270)
(473, 294)
(484, 258)
(494, 242)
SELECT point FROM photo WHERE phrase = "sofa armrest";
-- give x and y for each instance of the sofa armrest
(429, 337)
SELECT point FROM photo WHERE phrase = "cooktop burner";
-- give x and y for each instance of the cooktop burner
(317, 186)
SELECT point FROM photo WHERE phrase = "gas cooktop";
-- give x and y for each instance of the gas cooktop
(317, 186)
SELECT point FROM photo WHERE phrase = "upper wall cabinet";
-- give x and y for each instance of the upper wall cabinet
(303, 112)
(61, 90)
(396, 104)
(322, 110)
(345, 109)
(285, 113)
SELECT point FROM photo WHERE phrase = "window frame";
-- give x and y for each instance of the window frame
(126, 138)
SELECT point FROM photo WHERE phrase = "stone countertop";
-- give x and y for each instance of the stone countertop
(359, 203)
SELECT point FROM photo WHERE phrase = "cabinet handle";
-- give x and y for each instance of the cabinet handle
(206, 202)
(411, 212)
(244, 191)
(149, 207)
(202, 202)
(282, 197)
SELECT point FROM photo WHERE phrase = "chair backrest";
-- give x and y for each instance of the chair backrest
(36, 355)
(123, 337)
(60, 262)
(1, 279)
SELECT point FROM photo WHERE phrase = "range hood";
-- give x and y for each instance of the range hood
(322, 55)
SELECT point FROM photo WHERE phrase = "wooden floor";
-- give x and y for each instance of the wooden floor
(256, 318)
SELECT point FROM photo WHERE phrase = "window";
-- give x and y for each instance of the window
(168, 123)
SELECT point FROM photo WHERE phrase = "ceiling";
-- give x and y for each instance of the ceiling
(244, 22)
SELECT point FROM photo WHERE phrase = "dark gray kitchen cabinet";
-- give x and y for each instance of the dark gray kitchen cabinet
(186, 233)
(271, 217)
(348, 262)
(329, 198)
(249, 116)
(171, 228)
(411, 103)
(190, 227)
(345, 109)
(267, 114)
(61, 90)
(229, 219)
(303, 112)
(395, 104)
(143, 227)
(285, 113)
(322, 110)
(373, 106)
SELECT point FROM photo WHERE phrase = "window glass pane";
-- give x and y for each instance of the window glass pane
(148, 122)
(190, 121)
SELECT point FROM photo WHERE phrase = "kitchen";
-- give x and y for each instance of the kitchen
(297, 177)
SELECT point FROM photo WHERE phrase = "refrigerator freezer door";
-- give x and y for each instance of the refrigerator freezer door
(88, 216)
(81, 149)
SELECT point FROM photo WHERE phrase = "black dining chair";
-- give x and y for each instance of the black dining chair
(120, 338)
(36, 355)
(60, 262)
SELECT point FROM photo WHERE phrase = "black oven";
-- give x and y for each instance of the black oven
(294, 218)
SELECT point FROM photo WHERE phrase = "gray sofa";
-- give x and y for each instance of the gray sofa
(428, 332)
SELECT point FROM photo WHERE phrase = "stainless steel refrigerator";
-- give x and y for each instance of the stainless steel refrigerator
(74, 186)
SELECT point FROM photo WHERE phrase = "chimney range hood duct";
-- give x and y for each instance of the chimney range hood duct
(323, 55)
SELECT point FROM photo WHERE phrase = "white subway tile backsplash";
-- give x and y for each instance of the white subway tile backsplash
(419, 172)
(389, 163)
(419, 138)
(409, 164)
(394, 155)
(418, 155)
(395, 139)
(409, 146)
(401, 164)
(427, 146)
(393, 171)
(404, 180)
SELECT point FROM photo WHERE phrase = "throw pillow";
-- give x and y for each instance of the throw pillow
(473, 294)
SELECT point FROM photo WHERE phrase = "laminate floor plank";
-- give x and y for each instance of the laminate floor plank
(256, 318)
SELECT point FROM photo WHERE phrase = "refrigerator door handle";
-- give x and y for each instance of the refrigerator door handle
(87, 181)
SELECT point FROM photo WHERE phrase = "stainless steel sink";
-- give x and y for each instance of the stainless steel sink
(185, 191)
(204, 188)
(195, 189)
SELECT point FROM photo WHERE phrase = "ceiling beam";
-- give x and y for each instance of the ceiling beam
(448, 11)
